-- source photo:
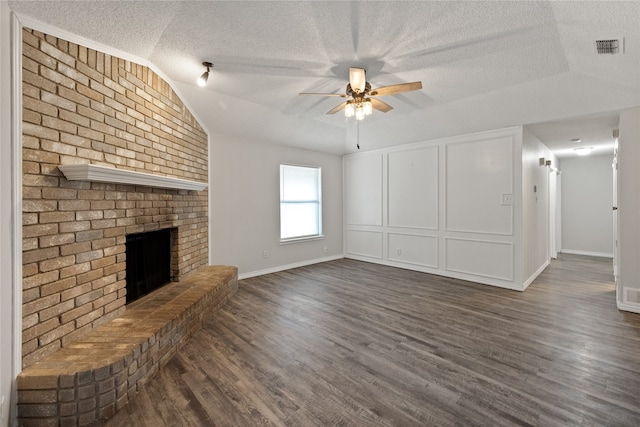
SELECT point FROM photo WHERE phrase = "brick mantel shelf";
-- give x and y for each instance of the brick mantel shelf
(96, 173)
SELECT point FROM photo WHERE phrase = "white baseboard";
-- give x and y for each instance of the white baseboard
(530, 280)
(588, 253)
(438, 272)
(630, 300)
(628, 306)
(287, 267)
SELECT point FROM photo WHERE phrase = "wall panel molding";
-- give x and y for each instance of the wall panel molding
(477, 175)
(478, 179)
(365, 243)
(413, 249)
(480, 258)
(363, 183)
(412, 188)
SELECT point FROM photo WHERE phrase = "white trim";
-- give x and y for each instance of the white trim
(475, 279)
(51, 30)
(391, 258)
(355, 156)
(16, 199)
(487, 134)
(288, 267)
(511, 278)
(301, 239)
(97, 173)
(467, 140)
(380, 233)
(628, 306)
(534, 276)
(388, 205)
(587, 253)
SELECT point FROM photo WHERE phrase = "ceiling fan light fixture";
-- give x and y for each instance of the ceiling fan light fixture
(361, 99)
(367, 107)
(357, 79)
(202, 80)
(349, 109)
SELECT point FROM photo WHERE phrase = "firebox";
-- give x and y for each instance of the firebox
(148, 262)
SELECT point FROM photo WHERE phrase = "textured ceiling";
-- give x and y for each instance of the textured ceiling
(483, 65)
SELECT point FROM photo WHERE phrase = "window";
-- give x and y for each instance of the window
(300, 202)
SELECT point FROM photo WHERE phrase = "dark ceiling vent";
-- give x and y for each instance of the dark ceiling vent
(608, 46)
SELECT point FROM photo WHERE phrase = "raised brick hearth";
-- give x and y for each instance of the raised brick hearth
(96, 375)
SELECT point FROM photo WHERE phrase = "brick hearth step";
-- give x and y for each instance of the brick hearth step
(95, 376)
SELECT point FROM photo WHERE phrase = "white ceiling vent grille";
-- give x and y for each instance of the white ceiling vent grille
(608, 46)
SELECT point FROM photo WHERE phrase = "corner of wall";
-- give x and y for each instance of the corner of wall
(628, 207)
(10, 295)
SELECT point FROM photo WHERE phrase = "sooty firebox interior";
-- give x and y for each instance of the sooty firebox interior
(148, 262)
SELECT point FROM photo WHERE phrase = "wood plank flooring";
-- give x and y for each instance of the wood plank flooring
(348, 343)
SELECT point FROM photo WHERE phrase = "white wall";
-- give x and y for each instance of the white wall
(245, 206)
(6, 267)
(439, 207)
(628, 285)
(536, 198)
(587, 197)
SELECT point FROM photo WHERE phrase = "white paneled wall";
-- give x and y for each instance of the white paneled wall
(450, 207)
(365, 243)
(479, 174)
(364, 184)
(413, 249)
(417, 170)
(480, 258)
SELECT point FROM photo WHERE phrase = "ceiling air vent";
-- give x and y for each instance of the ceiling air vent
(608, 46)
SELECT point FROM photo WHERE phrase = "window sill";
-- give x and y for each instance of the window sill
(301, 239)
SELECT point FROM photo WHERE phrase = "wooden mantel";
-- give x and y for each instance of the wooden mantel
(96, 173)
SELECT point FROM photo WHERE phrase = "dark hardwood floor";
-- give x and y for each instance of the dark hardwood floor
(347, 343)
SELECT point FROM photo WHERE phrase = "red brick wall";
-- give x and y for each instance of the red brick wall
(84, 106)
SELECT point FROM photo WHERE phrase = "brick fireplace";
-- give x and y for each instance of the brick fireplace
(85, 106)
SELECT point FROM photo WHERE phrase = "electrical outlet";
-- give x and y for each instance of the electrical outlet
(507, 199)
(265, 254)
(398, 251)
(324, 249)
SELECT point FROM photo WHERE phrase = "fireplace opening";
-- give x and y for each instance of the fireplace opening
(148, 262)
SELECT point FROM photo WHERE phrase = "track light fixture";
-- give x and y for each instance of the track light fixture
(202, 80)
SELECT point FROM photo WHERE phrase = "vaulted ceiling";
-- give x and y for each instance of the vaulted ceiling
(483, 65)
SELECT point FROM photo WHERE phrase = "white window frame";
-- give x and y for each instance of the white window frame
(318, 203)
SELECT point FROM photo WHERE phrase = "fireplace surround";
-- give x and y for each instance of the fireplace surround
(86, 107)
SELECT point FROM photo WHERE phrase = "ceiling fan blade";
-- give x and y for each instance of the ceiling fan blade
(380, 105)
(337, 108)
(342, 95)
(393, 89)
(357, 79)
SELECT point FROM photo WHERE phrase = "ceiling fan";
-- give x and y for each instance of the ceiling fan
(361, 98)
